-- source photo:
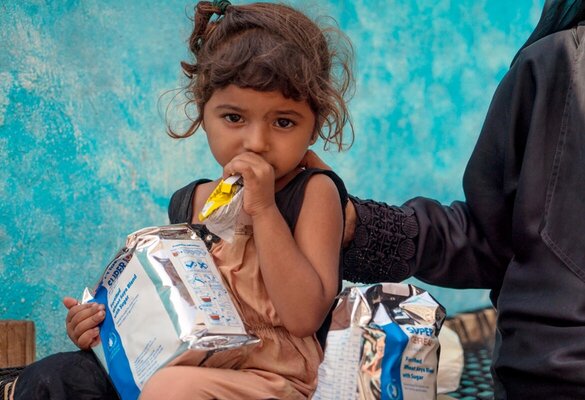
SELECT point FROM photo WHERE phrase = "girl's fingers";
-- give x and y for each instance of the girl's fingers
(245, 159)
(80, 312)
(258, 178)
(89, 318)
(70, 302)
(87, 338)
(81, 331)
(84, 321)
(251, 167)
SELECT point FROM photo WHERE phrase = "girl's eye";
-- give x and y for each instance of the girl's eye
(233, 118)
(284, 123)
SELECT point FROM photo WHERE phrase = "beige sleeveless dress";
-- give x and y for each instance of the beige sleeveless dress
(283, 366)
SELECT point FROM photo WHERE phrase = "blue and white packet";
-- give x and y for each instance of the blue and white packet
(383, 344)
(166, 304)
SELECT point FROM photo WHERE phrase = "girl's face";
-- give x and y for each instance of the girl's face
(278, 129)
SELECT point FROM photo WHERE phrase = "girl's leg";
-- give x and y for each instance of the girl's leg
(64, 376)
(198, 383)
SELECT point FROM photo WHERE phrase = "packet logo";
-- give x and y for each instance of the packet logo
(112, 340)
(393, 391)
(113, 345)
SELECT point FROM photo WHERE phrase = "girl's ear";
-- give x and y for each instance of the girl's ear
(319, 121)
(314, 138)
(201, 117)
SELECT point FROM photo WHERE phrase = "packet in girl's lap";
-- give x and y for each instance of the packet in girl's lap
(383, 344)
(166, 304)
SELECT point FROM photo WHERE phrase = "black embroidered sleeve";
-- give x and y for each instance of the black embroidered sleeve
(384, 243)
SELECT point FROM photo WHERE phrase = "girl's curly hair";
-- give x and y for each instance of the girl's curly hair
(270, 47)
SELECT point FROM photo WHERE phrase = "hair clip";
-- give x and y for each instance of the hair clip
(222, 5)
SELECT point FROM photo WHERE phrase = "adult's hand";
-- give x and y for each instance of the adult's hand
(312, 160)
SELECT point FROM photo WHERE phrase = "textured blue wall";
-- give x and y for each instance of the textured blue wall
(84, 159)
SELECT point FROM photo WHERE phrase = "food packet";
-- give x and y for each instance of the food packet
(166, 304)
(223, 206)
(382, 344)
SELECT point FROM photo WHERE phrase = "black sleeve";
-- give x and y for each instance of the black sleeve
(181, 205)
(422, 238)
(452, 249)
(467, 244)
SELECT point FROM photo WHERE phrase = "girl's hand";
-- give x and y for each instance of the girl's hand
(258, 181)
(82, 322)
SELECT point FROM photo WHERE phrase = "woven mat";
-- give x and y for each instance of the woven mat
(476, 379)
(7, 378)
(476, 331)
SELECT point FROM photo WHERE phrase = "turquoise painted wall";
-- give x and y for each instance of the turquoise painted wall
(84, 159)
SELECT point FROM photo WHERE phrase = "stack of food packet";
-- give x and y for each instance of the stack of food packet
(166, 304)
(383, 344)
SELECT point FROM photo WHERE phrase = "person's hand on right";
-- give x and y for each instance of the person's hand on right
(312, 160)
(82, 322)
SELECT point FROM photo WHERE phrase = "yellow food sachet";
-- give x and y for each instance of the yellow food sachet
(223, 194)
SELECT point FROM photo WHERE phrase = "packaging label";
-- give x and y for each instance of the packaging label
(163, 296)
(204, 283)
(128, 299)
(383, 344)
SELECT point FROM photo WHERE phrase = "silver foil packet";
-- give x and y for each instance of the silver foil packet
(383, 344)
(166, 304)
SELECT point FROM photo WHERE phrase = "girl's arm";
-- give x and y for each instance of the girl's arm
(301, 272)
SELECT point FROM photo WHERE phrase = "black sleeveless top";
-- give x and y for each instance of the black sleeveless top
(289, 201)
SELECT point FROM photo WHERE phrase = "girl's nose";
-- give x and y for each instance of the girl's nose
(256, 139)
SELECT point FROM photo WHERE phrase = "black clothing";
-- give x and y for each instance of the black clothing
(519, 232)
(557, 15)
(383, 247)
(289, 201)
(74, 375)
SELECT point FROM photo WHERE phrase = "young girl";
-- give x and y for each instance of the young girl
(264, 85)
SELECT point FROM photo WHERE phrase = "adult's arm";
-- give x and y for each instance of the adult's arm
(436, 243)
(467, 244)
(386, 243)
